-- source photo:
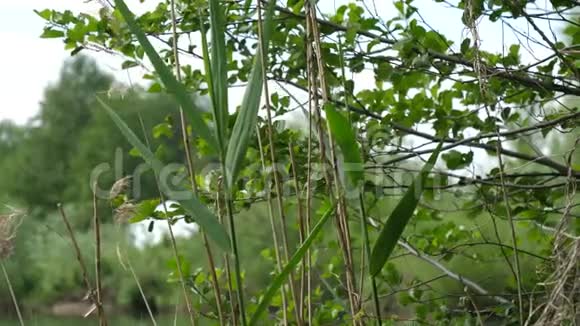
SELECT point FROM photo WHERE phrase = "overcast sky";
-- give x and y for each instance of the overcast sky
(28, 63)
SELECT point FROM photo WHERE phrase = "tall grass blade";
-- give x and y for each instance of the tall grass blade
(345, 137)
(400, 216)
(173, 86)
(219, 70)
(200, 213)
(246, 120)
(290, 266)
(207, 68)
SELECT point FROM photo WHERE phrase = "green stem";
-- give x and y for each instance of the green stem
(367, 246)
(234, 243)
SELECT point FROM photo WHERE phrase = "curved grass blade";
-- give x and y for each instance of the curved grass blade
(219, 71)
(200, 213)
(400, 216)
(246, 120)
(173, 86)
(210, 85)
(291, 265)
(344, 136)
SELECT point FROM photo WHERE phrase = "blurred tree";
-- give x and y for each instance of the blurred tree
(102, 142)
(51, 159)
(37, 171)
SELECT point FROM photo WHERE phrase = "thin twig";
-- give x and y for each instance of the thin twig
(99, 294)
(129, 267)
(12, 294)
(301, 227)
(367, 248)
(311, 82)
(483, 88)
(279, 262)
(234, 243)
(220, 215)
(561, 303)
(191, 170)
(553, 46)
(342, 219)
(84, 273)
(277, 183)
(463, 280)
(171, 236)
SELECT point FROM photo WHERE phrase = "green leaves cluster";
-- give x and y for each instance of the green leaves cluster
(218, 80)
(424, 90)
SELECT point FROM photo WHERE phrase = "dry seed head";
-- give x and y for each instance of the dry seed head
(119, 187)
(124, 212)
(8, 225)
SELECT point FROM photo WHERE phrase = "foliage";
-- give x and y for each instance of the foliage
(498, 201)
(50, 160)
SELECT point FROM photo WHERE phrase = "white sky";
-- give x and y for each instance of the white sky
(28, 63)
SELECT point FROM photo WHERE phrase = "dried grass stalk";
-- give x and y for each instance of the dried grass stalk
(124, 212)
(119, 187)
(9, 223)
(561, 306)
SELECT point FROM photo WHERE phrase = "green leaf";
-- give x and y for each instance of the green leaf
(344, 136)
(465, 46)
(155, 88)
(290, 266)
(167, 77)
(457, 160)
(163, 129)
(219, 71)
(351, 32)
(44, 14)
(400, 216)
(246, 120)
(145, 210)
(191, 205)
(434, 41)
(51, 33)
(134, 152)
(129, 64)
